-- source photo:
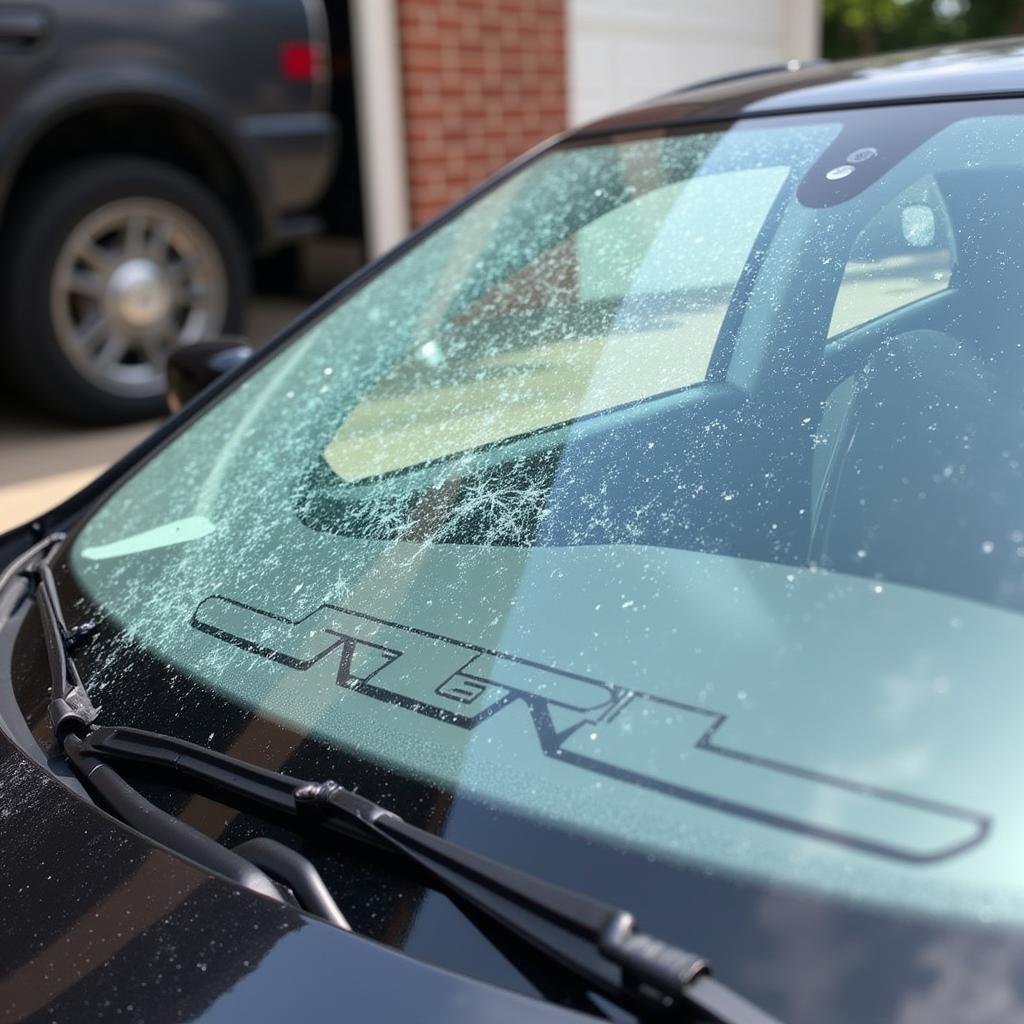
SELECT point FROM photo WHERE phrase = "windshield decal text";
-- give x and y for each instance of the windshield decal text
(634, 737)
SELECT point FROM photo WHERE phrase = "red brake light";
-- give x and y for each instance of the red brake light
(301, 61)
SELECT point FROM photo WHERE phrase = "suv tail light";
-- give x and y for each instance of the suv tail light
(302, 61)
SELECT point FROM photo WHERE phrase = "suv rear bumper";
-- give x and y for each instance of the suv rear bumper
(297, 153)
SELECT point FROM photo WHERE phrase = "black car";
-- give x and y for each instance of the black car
(147, 152)
(647, 532)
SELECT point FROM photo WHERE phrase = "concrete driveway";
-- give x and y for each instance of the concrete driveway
(43, 461)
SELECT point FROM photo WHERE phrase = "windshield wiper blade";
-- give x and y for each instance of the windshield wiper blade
(597, 944)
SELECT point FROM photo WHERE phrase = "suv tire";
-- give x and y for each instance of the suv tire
(107, 265)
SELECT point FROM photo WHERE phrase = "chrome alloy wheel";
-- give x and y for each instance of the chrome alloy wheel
(135, 279)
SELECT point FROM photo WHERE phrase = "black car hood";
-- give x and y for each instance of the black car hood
(98, 923)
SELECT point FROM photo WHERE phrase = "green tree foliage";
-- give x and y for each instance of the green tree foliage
(855, 27)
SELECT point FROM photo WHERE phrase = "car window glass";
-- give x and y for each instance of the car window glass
(904, 253)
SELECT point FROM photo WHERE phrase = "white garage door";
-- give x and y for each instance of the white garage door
(621, 53)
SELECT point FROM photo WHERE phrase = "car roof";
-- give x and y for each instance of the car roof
(986, 68)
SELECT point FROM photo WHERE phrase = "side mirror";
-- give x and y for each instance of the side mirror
(192, 367)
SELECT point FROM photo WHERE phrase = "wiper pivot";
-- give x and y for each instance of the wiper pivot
(291, 869)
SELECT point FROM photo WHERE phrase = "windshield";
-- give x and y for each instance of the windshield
(665, 501)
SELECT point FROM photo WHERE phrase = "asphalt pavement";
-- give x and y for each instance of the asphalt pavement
(43, 460)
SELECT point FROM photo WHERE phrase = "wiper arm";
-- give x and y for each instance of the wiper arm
(594, 942)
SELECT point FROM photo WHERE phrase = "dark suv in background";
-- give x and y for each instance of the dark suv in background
(147, 152)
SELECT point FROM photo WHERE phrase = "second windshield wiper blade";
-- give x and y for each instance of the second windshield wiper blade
(604, 949)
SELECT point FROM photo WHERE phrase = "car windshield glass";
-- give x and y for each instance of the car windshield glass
(669, 496)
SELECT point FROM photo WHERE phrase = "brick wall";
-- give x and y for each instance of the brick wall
(483, 81)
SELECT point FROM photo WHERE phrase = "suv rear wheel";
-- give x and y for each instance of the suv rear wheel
(109, 265)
